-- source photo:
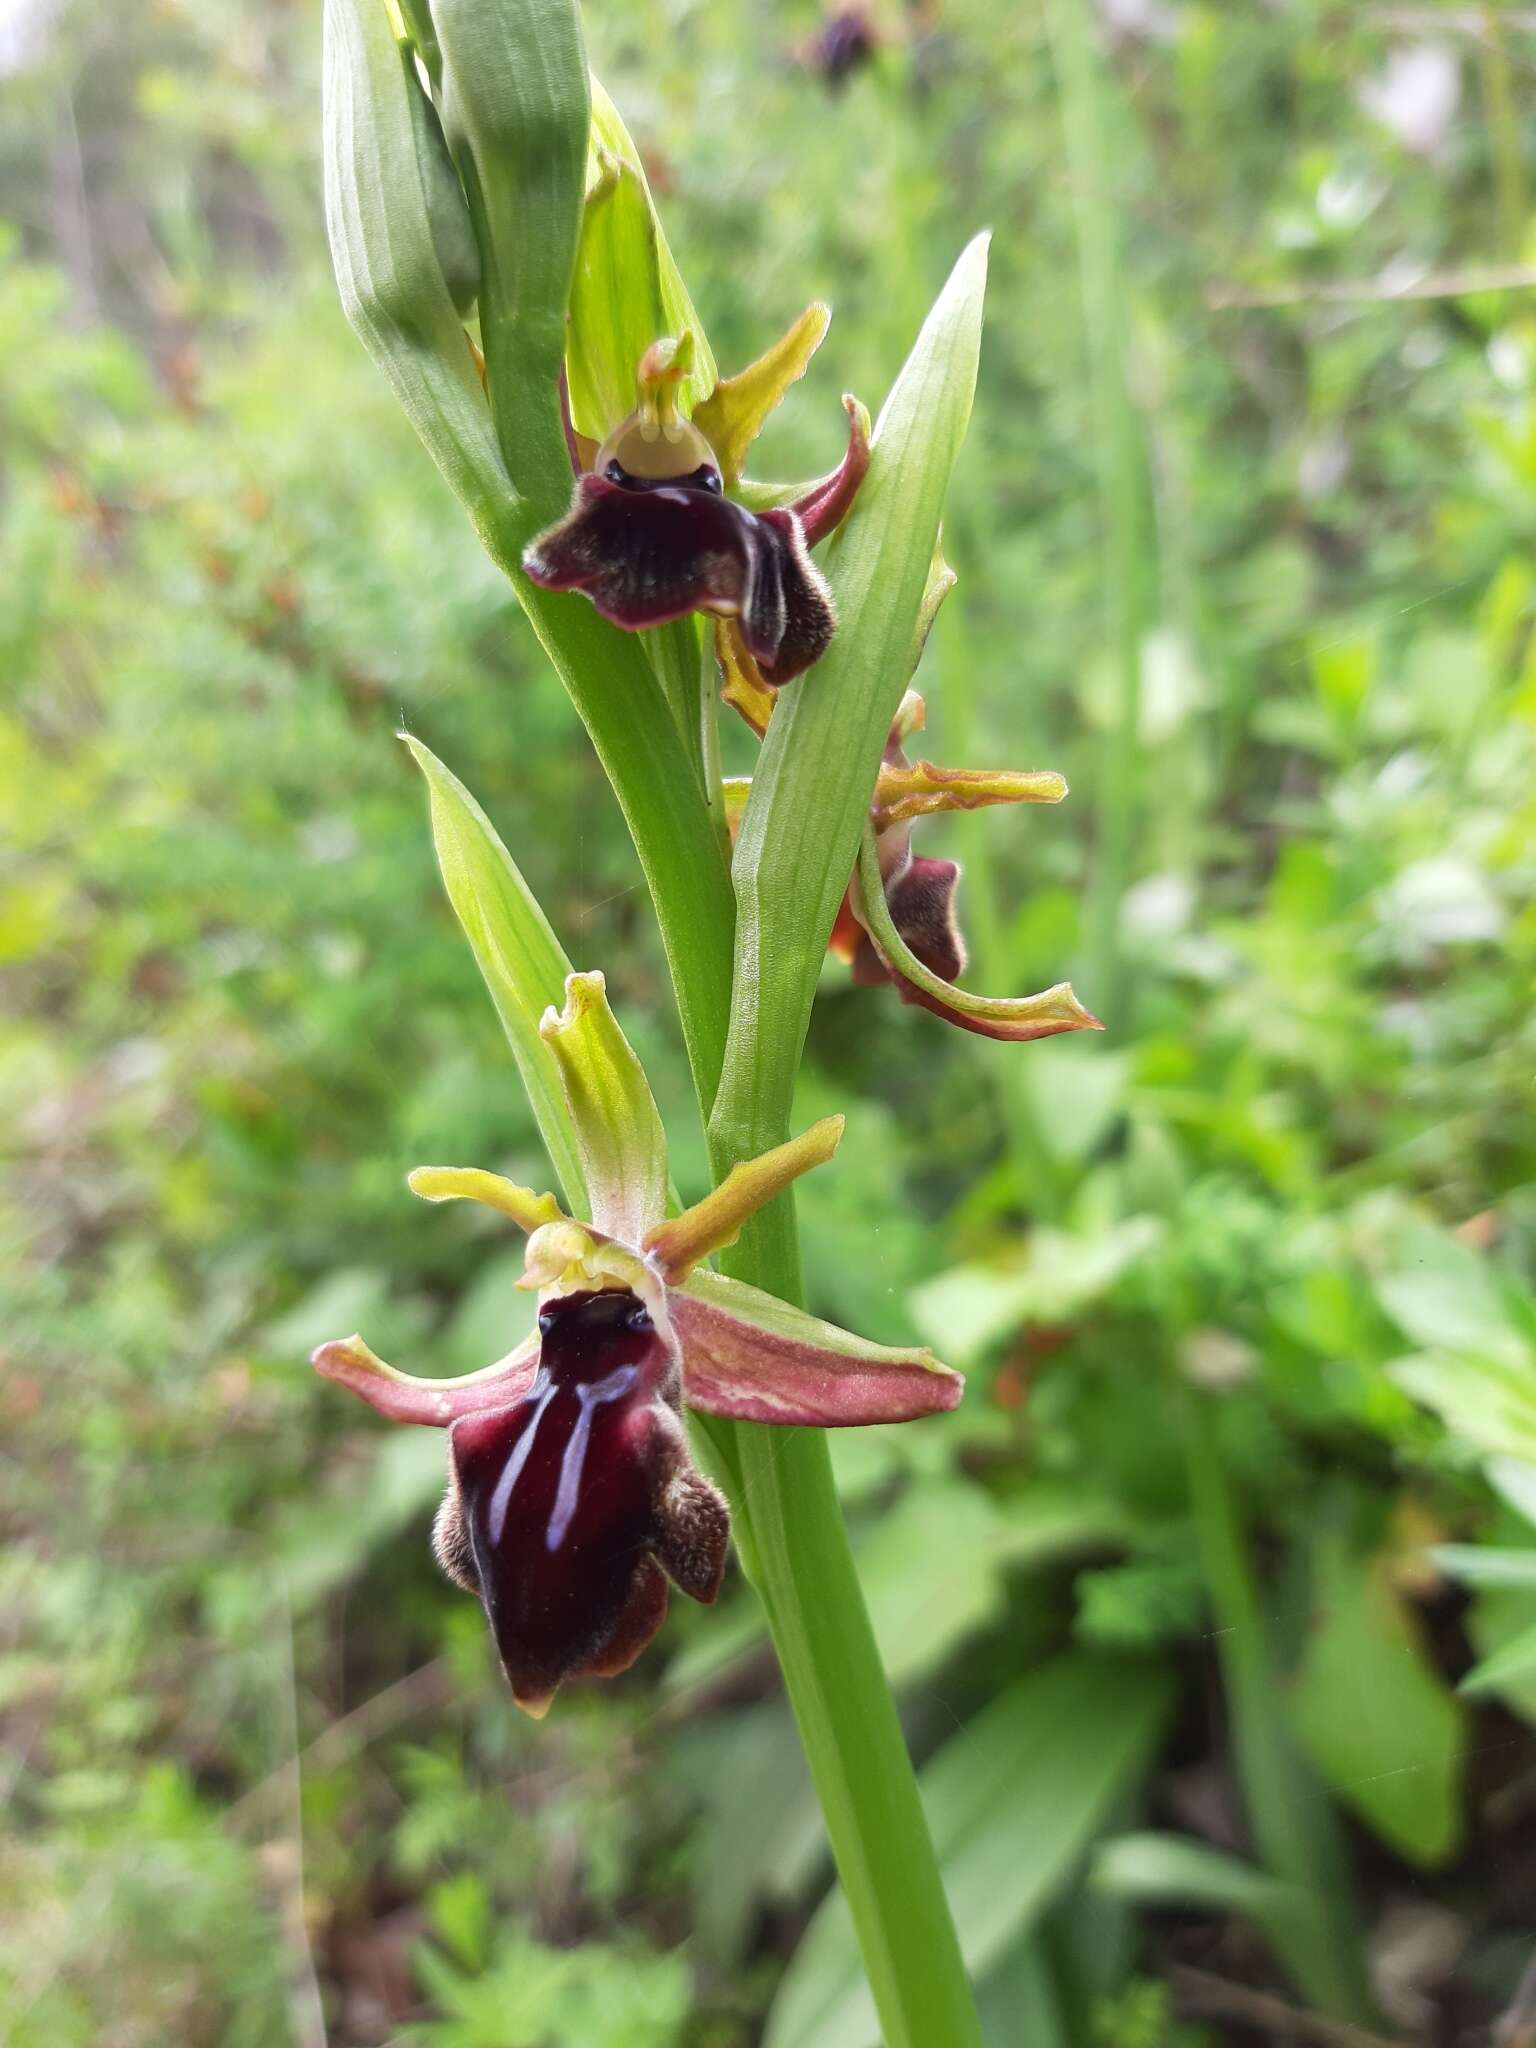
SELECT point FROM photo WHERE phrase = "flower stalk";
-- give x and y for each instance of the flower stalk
(591, 358)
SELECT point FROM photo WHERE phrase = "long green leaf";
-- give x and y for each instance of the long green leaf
(519, 956)
(1013, 1801)
(810, 792)
(1483, 1565)
(1374, 1714)
(379, 218)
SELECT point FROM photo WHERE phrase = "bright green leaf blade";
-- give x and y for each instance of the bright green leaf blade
(1443, 1295)
(1374, 1716)
(393, 291)
(1295, 1829)
(1014, 1801)
(810, 792)
(1516, 1660)
(517, 953)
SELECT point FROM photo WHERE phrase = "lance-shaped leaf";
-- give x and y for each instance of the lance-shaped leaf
(733, 413)
(618, 1132)
(682, 1241)
(379, 217)
(753, 1358)
(810, 796)
(519, 956)
(1014, 1018)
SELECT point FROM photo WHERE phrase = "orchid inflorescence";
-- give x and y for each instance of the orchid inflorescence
(574, 1498)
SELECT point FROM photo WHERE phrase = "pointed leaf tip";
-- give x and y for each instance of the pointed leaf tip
(518, 955)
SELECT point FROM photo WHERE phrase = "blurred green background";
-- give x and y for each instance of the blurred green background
(1244, 534)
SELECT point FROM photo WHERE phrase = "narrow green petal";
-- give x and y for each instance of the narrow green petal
(627, 291)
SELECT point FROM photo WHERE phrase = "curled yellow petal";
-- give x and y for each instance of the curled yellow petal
(677, 1245)
(1005, 1017)
(473, 1184)
(742, 686)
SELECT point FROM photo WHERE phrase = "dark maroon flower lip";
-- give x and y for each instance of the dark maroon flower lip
(649, 550)
(568, 1509)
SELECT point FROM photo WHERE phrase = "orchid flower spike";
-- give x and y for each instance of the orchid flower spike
(653, 533)
(573, 1496)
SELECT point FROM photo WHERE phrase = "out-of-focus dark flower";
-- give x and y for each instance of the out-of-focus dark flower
(845, 42)
(652, 534)
(573, 1496)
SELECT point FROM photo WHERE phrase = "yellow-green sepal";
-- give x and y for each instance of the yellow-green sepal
(627, 289)
(617, 1129)
(733, 414)
(474, 1184)
(678, 1245)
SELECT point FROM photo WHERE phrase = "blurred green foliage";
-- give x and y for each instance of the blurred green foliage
(1244, 1290)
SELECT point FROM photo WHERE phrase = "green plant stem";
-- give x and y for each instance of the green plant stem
(1292, 1823)
(853, 1742)
(789, 1521)
(1512, 203)
(1120, 460)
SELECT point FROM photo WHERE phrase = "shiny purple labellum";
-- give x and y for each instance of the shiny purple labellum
(649, 550)
(561, 1505)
